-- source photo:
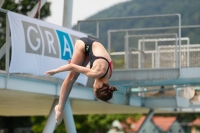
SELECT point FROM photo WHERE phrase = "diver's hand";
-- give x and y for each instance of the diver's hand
(59, 115)
(51, 72)
(69, 61)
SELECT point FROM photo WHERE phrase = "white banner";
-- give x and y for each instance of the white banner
(38, 46)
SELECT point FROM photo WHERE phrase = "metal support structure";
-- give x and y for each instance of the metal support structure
(139, 44)
(168, 39)
(126, 48)
(176, 53)
(67, 13)
(97, 31)
(51, 122)
(122, 18)
(67, 114)
(157, 57)
(142, 53)
(68, 118)
(109, 43)
(179, 36)
(188, 54)
(148, 117)
(8, 41)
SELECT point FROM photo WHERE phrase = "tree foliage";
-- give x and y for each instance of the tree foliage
(85, 123)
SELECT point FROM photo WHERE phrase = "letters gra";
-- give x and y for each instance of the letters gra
(47, 41)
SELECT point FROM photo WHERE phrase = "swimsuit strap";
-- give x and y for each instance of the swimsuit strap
(109, 65)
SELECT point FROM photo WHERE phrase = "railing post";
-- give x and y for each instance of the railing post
(126, 51)
(157, 58)
(142, 54)
(188, 53)
(7, 44)
(8, 41)
(176, 53)
(152, 60)
(139, 59)
(109, 43)
(179, 34)
(67, 13)
(97, 31)
(78, 26)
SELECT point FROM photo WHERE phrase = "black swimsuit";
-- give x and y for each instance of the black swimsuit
(88, 50)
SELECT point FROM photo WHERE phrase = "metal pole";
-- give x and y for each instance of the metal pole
(176, 53)
(188, 53)
(78, 26)
(139, 59)
(7, 44)
(8, 41)
(179, 34)
(97, 32)
(152, 60)
(51, 122)
(126, 51)
(109, 43)
(67, 13)
(150, 114)
(176, 95)
(142, 54)
(68, 118)
(157, 58)
(1, 3)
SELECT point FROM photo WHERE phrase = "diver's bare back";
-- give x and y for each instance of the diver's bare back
(99, 50)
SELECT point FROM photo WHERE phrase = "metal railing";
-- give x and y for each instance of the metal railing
(126, 48)
(154, 57)
(129, 52)
(141, 47)
(164, 57)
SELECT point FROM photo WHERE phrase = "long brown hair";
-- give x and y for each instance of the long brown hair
(105, 93)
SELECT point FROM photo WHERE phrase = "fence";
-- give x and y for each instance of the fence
(161, 56)
(169, 51)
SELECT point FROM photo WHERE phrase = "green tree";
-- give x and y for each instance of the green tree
(85, 123)
(102, 123)
(11, 123)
